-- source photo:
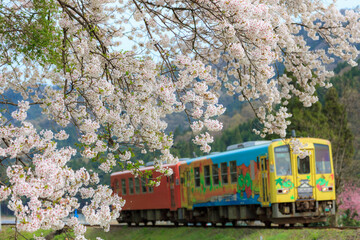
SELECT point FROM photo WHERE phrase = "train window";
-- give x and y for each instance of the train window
(151, 189)
(197, 176)
(322, 158)
(123, 186)
(233, 172)
(137, 185)
(143, 184)
(215, 173)
(282, 161)
(131, 185)
(117, 186)
(224, 173)
(207, 175)
(304, 165)
(252, 170)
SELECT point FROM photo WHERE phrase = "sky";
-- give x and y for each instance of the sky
(346, 3)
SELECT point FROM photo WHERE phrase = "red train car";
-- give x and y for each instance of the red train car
(148, 204)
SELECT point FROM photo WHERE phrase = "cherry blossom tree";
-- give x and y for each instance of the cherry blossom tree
(65, 56)
(349, 200)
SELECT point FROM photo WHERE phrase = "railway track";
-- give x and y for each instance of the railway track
(230, 226)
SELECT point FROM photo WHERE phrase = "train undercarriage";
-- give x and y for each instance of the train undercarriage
(279, 213)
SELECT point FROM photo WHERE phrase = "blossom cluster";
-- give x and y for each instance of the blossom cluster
(298, 148)
(349, 200)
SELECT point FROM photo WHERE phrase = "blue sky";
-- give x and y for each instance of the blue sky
(346, 3)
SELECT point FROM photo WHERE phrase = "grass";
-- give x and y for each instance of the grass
(8, 233)
(199, 233)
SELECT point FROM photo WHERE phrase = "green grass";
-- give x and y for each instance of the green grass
(199, 233)
(183, 233)
(8, 233)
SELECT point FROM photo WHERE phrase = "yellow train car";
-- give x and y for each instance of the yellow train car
(301, 189)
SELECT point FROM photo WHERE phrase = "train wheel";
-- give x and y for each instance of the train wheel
(267, 224)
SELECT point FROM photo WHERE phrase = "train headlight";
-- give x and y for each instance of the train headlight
(283, 191)
(326, 189)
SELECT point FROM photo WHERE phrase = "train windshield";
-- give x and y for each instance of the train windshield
(322, 158)
(282, 161)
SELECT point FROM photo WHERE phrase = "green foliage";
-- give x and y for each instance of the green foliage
(31, 33)
(348, 79)
(328, 121)
(347, 84)
(349, 219)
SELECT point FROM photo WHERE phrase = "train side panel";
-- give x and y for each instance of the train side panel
(138, 196)
(230, 178)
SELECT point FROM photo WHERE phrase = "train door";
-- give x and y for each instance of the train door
(172, 191)
(305, 176)
(187, 189)
(264, 186)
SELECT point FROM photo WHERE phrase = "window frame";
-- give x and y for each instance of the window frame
(143, 185)
(224, 173)
(207, 175)
(326, 168)
(286, 159)
(215, 174)
(131, 186)
(308, 167)
(233, 174)
(137, 185)
(150, 189)
(197, 179)
(123, 186)
(117, 186)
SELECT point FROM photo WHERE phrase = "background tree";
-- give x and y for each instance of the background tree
(328, 121)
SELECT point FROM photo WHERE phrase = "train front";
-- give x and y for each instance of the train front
(302, 190)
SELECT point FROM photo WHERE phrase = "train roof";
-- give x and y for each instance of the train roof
(144, 168)
(247, 147)
(250, 148)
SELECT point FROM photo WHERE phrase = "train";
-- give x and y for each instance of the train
(256, 180)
